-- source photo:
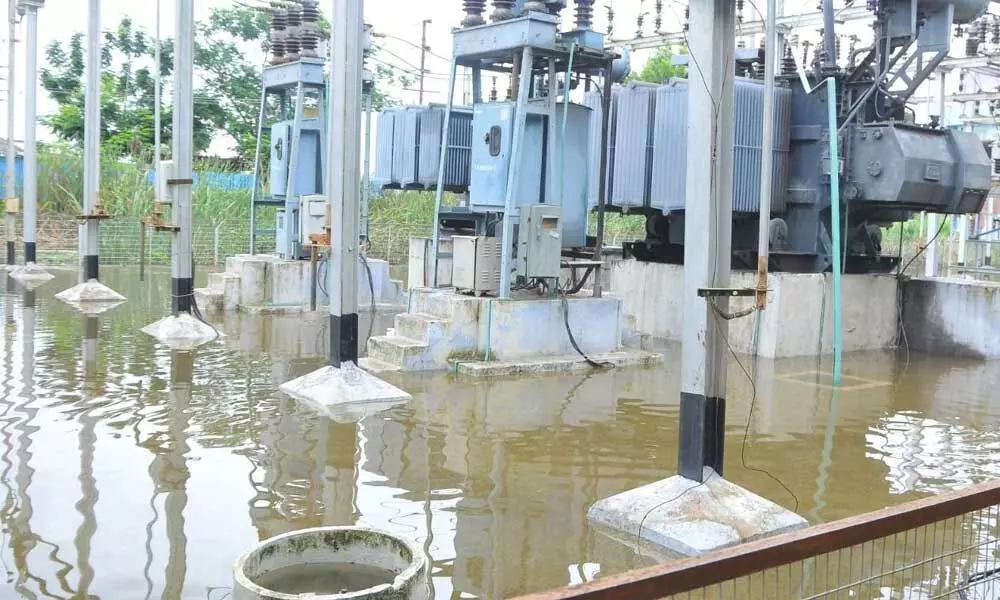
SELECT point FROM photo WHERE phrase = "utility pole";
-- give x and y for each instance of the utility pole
(182, 265)
(158, 100)
(11, 191)
(423, 57)
(933, 219)
(30, 271)
(709, 220)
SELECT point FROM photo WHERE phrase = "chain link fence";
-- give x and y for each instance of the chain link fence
(58, 241)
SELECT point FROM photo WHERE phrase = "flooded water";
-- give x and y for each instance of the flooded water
(325, 579)
(128, 471)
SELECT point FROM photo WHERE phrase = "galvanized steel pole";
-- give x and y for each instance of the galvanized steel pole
(158, 101)
(767, 156)
(708, 229)
(30, 214)
(182, 265)
(12, 208)
(92, 144)
(343, 173)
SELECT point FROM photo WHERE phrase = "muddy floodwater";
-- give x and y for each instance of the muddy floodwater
(132, 472)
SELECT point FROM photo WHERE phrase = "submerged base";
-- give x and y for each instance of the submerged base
(335, 392)
(91, 297)
(30, 273)
(183, 332)
(680, 516)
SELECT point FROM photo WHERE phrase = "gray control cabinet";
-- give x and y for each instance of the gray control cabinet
(540, 241)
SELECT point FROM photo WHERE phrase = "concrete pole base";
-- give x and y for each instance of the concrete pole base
(91, 297)
(345, 394)
(30, 272)
(182, 332)
(678, 516)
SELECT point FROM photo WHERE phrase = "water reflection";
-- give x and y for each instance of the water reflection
(131, 471)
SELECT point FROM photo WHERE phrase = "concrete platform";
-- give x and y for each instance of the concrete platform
(952, 317)
(444, 330)
(183, 332)
(30, 273)
(91, 297)
(679, 516)
(791, 326)
(348, 390)
(564, 364)
(269, 285)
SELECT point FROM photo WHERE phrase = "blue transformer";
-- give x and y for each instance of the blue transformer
(539, 175)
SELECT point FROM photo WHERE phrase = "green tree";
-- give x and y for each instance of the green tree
(660, 69)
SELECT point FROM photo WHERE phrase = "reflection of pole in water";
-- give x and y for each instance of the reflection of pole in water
(87, 443)
(17, 515)
(174, 474)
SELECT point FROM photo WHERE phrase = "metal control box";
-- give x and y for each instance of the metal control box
(280, 233)
(476, 264)
(308, 170)
(539, 250)
(312, 218)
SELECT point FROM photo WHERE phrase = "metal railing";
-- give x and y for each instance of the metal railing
(940, 547)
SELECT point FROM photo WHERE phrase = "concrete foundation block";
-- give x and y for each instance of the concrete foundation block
(348, 391)
(209, 300)
(91, 297)
(952, 317)
(408, 354)
(289, 283)
(252, 271)
(30, 273)
(420, 327)
(563, 364)
(182, 332)
(683, 517)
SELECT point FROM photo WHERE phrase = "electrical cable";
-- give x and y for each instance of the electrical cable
(921, 251)
(196, 311)
(638, 535)
(371, 290)
(572, 339)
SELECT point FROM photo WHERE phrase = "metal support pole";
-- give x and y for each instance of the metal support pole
(708, 220)
(513, 173)
(439, 193)
(343, 173)
(963, 236)
(602, 194)
(182, 267)
(255, 192)
(11, 191)
(767, 156)
(829, 37)
(423, 58)
(30, 138)
(366, 189)
(157, 115)
(933, 219)
(290, 251)
(92, 144)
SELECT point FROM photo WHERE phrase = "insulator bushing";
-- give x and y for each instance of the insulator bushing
(996, 32)
(308, 41)
(310, 11)
(837, 50)
(584, 14)
(279, 21)
(984, 28)
(474, 10)
(294, 17)
(971, 46)
(535, 6)
(503, 10)
(278, 47)
(292, 43)
(788, 63)
(611, 21)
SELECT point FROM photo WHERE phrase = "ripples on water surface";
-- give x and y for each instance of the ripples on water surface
(128, 471)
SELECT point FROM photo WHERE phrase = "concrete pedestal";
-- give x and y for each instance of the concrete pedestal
(183, 332)
(30, 273)
(91, 297)
(678, 516)
(795, 323)
(335, 392)
(952, 317)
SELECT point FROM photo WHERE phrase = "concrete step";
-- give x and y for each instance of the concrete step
(376, 366)
(218, 281)
(405, 353)
(208, 299)
(418, 326)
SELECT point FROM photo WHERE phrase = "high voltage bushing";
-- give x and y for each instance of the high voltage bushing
(584, 14)
(503, 10)
(996, 30)
(309, 30)
(971, 46)
(474, 10)
(292, 39)
(279, 26)
(837, 50)
(611, 21)
(739, 11)
(984, 27)
(659, 16)
(788, 62)
(535, 6)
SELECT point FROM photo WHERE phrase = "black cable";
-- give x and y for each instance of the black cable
(572, 338)
(921, 251)
(638, 535)
(371, 290)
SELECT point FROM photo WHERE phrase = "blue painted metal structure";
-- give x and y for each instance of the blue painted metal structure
(298, 151)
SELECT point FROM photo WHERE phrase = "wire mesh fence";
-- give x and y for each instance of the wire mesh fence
(946, 546)
(58, 241)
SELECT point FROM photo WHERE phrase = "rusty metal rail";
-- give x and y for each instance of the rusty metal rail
(939, 547)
